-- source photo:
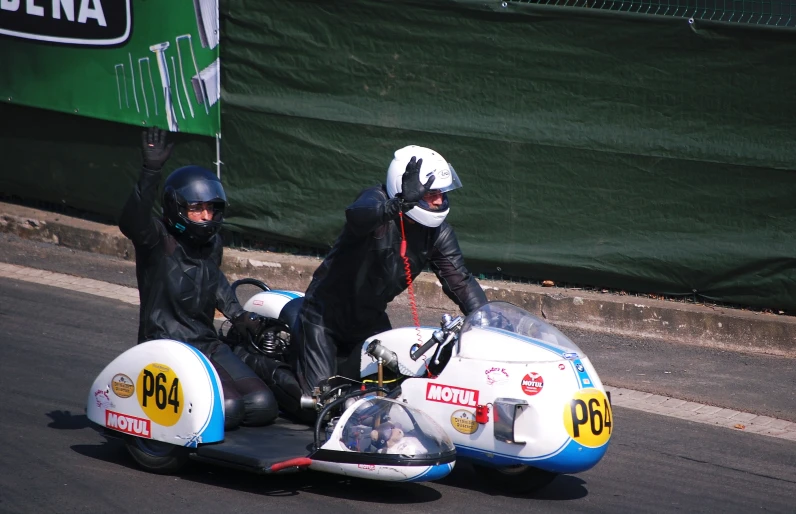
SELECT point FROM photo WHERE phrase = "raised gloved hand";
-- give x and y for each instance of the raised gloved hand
(154, 150)
(412, 190)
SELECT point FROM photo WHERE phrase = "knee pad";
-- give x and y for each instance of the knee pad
(234, 412)
(260, 408)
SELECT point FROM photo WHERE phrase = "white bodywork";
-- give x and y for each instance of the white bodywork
(562, 417)
(162, 390)
(270, 303)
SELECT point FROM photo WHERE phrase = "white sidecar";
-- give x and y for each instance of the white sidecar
(164, 398)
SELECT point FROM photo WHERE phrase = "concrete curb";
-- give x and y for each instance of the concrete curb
(621, 315)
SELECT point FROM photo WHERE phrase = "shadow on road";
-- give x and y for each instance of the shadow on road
(564, 487)
(322, 484)
(65, 420)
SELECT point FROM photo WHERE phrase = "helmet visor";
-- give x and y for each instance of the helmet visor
(455, 182)
(434, 206)
(202, 212)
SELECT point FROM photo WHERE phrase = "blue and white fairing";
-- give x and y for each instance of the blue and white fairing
(383, 439)
(546, 405)
(162, 390)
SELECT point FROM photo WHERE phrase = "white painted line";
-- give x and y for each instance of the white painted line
(626, 398)
(707, 414)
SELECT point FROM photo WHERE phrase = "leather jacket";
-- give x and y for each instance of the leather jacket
(180, 285)
(364, 270)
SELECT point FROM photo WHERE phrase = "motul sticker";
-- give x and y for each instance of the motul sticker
(128, 424)
(532, 384)
(453, 395)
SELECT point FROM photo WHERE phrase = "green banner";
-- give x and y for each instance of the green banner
(142, 62)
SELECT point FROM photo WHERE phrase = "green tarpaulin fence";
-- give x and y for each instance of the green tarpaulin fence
(642, 156)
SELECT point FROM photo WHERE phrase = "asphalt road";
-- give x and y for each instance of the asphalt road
(55, 341)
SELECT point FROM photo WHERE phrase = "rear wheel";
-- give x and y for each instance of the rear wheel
(156, 456)
(518, 479)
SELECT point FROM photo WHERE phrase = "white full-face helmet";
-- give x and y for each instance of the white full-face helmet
(433, 164)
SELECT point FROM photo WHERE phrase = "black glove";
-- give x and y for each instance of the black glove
(247, 324)
(154, 150)
(412, 190)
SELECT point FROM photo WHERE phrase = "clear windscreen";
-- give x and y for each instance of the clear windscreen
(382, 425)
(508, 318)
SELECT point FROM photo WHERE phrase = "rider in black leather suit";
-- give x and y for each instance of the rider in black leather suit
(179, 281)
(347, 299)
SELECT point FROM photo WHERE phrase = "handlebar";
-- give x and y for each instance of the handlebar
(416, 352)
(450, 327)
(248, 281)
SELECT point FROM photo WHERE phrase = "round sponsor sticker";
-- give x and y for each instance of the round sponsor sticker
(532, 384)
(588, 417)
(122, 386)
(463, 421)
(160, 394)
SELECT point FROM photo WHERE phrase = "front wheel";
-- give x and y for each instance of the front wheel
(518, 479)
(156, 456)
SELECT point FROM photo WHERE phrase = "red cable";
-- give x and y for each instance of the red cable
(410, 287)
(300, 462)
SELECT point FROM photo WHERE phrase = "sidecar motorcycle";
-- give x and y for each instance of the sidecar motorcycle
(502, 388)
(516, 396)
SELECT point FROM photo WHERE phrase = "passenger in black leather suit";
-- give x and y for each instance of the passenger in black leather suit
(347, 299)
(180, 284)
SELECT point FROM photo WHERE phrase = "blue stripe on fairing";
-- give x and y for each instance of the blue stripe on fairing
(287, 294)
(572, 457)
(580, 375)
(213, 429)
(432, 473)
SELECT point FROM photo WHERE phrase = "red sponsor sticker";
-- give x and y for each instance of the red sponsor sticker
(453, 395)
(532, 384)
(257, 302)
(561, 366)
(128, 424)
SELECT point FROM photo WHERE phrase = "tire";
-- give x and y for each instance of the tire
(518, 479)
(155, 456)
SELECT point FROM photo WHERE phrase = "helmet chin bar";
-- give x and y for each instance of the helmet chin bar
(431, 219)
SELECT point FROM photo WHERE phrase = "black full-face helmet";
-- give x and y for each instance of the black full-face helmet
(189, 185)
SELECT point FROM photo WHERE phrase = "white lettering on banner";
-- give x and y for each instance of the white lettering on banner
(89, 9)
(95, 12)
(128, 424)
(32, 8)
(9, 5)
(68, 7)
(453, 395)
